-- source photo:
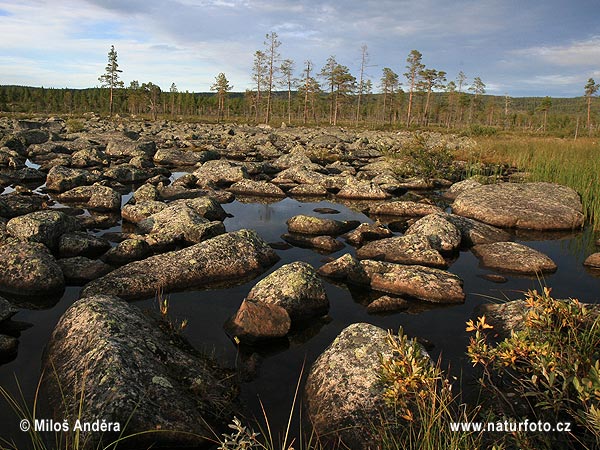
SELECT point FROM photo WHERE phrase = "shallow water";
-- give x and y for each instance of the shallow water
(271, 372)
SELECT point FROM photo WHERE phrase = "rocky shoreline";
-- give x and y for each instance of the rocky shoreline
(63, 191)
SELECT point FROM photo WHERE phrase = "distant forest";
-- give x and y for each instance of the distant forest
(448, 109)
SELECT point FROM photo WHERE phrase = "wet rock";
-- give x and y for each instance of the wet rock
(180, 223)
(7, 310)
(408, 249)
(318, 226)
(220, 172)
(127, 148)
(343, 393)
(174, 157)
(387, 304)
(494, 278)
(255, 322)
(46, 227)
(61, 179)
(513, 257)
(327, 244)
(536, 206)
(474, 232)
(296, 288)
(257, 188)
(367, 232)
(9, 346)
(98, 197)
(138, 373)
(593, 260)
(230, 257)
(326, 211)
(141, 210)
(405, 209)
(443, 235)
(15, 204)
(29, 269)
(362, 190)
(127, 251)
(80, 270)
(80, 243)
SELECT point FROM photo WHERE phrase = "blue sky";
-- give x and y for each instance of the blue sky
(519, 48)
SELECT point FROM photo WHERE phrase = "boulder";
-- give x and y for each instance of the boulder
(141, 210)
(443, 235)
(474, 232)
(229, 257)
(593, 261)
(46, 227)
(146, 192)
(535, 206)
(404, 209)
(97, 197)
(296, 288)
(347, 269)
(7, 310)
(255, 322)
(327, 244)
(308, 190)
(30, 269)
(80, 270)
(513, 257)
(408, 249)
(174, 157)
(256, 188)
(367, 232)
(15, 204)
(220, 172)
(61, 179)
(300, 175)
(127, 251)
(89, 157)
(126, 367)
(362, 190)
(125, 148)
(127, 173)
(206, 206)
(461, 186)
(80, 243)
(318, 226)
(344, 397)
(387, 304)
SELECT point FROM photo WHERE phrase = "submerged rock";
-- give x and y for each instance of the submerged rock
(367, 232)
(535, 206)
(80, 270)
(513, 257)
(326, 244)
(133, 370)
(229, 257)
(29, 269)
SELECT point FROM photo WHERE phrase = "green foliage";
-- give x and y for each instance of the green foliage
(429, 161)
(551, 364)
(480, 130)
(75, 126)
(242, 438)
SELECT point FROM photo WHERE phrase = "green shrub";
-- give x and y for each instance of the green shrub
(74, 126)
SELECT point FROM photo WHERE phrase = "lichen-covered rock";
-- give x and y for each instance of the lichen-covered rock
(535, 206)
(220, 172)
(61, 179)
(206, 206)
(89, 157)
(126, 148)
(308, 190)
(98, 197)
(405, 209)
(146, 192)
(443, 235)
(255, 322)
(343, 393)
(7, 310)
(15, 204)
(362, 190)
(408, 249)
(464, 185)
(126, 173)
(367, 232)
(593, 261)
(80, 270)
(127, 251)
(301, 175)
(230, 257)
(296, 288)
(318, 226)
(513, 257)
(387, 304)
(327, 244)
(474, 232)
(46, 227)
(346, 268)
(80, 243)
(131, 369)
(257, 188)
(29, 269)
(141, 210)
(176, 158)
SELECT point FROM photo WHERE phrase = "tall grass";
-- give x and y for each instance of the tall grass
(564, 161)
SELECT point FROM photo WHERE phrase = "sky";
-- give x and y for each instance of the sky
(517, 47)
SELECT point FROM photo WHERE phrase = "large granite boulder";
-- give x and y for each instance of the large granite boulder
(442, 234)
(367, 232)
(473, 232)
(46, 227)
(232, 257)
(535, 206)
(318, 226)
(220, 172)
(129, 368)
(97, 197)
(513, 257)
(61, 179)
(344, 397)
(408, 249)
(29, 269)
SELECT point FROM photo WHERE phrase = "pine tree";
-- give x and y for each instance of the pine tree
(259, 72)
(591, 88)
(389, 84)
(412, 75)
(271, 46)
(221, 86)
(287, 70)
(110, 78)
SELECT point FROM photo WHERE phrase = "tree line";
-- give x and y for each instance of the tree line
(423, 96)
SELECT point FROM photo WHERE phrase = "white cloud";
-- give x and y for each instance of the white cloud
(579, 53)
